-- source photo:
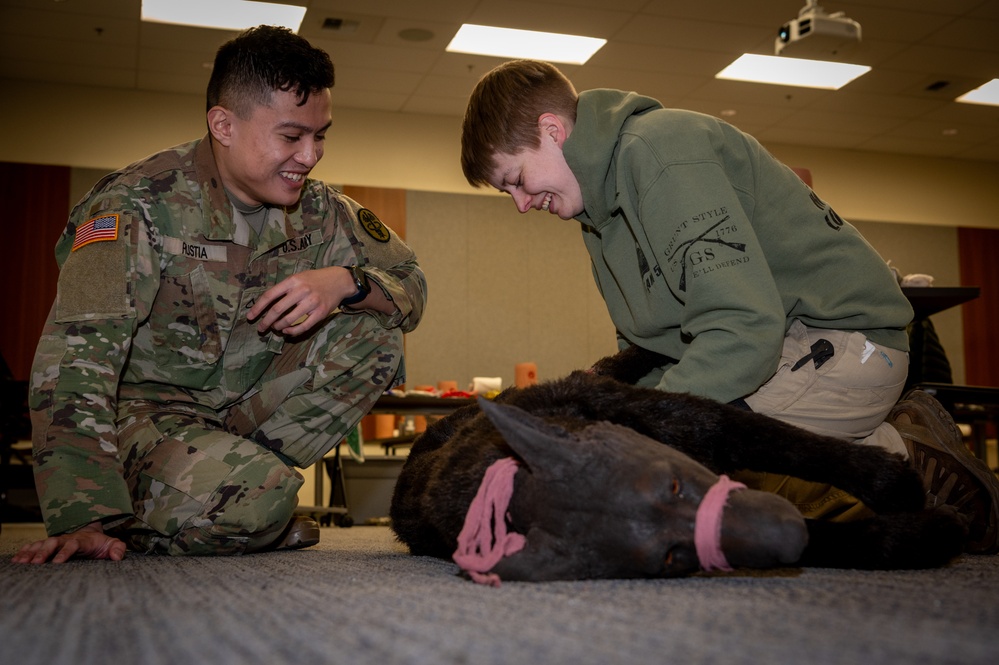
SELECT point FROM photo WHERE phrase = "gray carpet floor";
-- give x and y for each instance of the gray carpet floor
(359, 598)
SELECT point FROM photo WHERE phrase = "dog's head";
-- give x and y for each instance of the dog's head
(607, 502)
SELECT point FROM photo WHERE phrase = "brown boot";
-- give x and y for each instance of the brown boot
(951, 474)
(302, 531)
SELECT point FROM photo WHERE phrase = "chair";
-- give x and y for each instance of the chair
(14, 426)
(976, 406)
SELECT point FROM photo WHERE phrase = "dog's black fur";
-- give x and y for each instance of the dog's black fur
(447, 464)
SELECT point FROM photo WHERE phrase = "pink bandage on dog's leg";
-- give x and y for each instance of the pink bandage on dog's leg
(708, 525)
(484, 540)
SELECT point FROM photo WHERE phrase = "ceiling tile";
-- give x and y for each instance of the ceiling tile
(665, 49)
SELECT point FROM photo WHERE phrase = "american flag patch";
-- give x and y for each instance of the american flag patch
(96, 230)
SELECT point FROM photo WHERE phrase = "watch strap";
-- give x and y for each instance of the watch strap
(361, 282)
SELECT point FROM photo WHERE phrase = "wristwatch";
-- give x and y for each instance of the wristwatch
(361, 282)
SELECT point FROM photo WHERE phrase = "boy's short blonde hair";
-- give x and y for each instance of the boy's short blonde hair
(503, 111)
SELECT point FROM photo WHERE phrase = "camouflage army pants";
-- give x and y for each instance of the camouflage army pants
(201, 485)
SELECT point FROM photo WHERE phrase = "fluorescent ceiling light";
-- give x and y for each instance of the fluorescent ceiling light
(222, 14)
(987, 93)
(792, 71)
(508, 43)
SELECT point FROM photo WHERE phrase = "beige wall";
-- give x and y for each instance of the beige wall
(504, 288)
(104, 128)
(508, 288)
(930, 250)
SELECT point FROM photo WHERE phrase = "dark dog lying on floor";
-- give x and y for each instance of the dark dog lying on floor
(569, 479)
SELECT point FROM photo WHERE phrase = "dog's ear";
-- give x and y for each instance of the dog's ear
(545, 448)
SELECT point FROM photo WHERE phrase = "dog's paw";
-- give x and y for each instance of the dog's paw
(896, 489)
(925, 539)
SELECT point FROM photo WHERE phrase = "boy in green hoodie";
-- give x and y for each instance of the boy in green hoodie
(709, 251)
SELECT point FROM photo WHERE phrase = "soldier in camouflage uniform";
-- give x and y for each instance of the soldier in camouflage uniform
(220, 320)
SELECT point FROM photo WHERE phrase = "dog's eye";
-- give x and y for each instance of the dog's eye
(675, 488)
(669, 558)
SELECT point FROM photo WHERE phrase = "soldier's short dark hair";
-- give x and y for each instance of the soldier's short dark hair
(255, 63)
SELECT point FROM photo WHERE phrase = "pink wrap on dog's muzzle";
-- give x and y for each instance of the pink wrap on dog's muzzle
(484, 539)
(708, 524)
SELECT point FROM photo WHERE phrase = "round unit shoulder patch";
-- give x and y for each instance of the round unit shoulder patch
(373, 225)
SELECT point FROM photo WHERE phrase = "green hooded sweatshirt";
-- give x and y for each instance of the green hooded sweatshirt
(706, 248)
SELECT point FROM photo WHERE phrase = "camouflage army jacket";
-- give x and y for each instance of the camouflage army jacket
(157, 272)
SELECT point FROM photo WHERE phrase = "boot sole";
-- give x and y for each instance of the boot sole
(949, 441)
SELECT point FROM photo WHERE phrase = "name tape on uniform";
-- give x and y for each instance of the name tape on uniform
(192, 250)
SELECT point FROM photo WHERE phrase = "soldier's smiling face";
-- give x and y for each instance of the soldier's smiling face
(540, 178)
(266, 157)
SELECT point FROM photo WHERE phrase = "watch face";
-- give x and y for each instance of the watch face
(360, 279)
(361, 282)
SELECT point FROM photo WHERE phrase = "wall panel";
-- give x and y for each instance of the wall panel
(979, 267)
(35, 203)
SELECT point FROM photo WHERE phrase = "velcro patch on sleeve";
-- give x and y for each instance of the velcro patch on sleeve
(94, 285)
(98, 229)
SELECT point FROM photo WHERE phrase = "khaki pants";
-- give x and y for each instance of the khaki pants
(848, 398)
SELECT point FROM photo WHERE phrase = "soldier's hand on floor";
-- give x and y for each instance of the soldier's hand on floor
(89, 542)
